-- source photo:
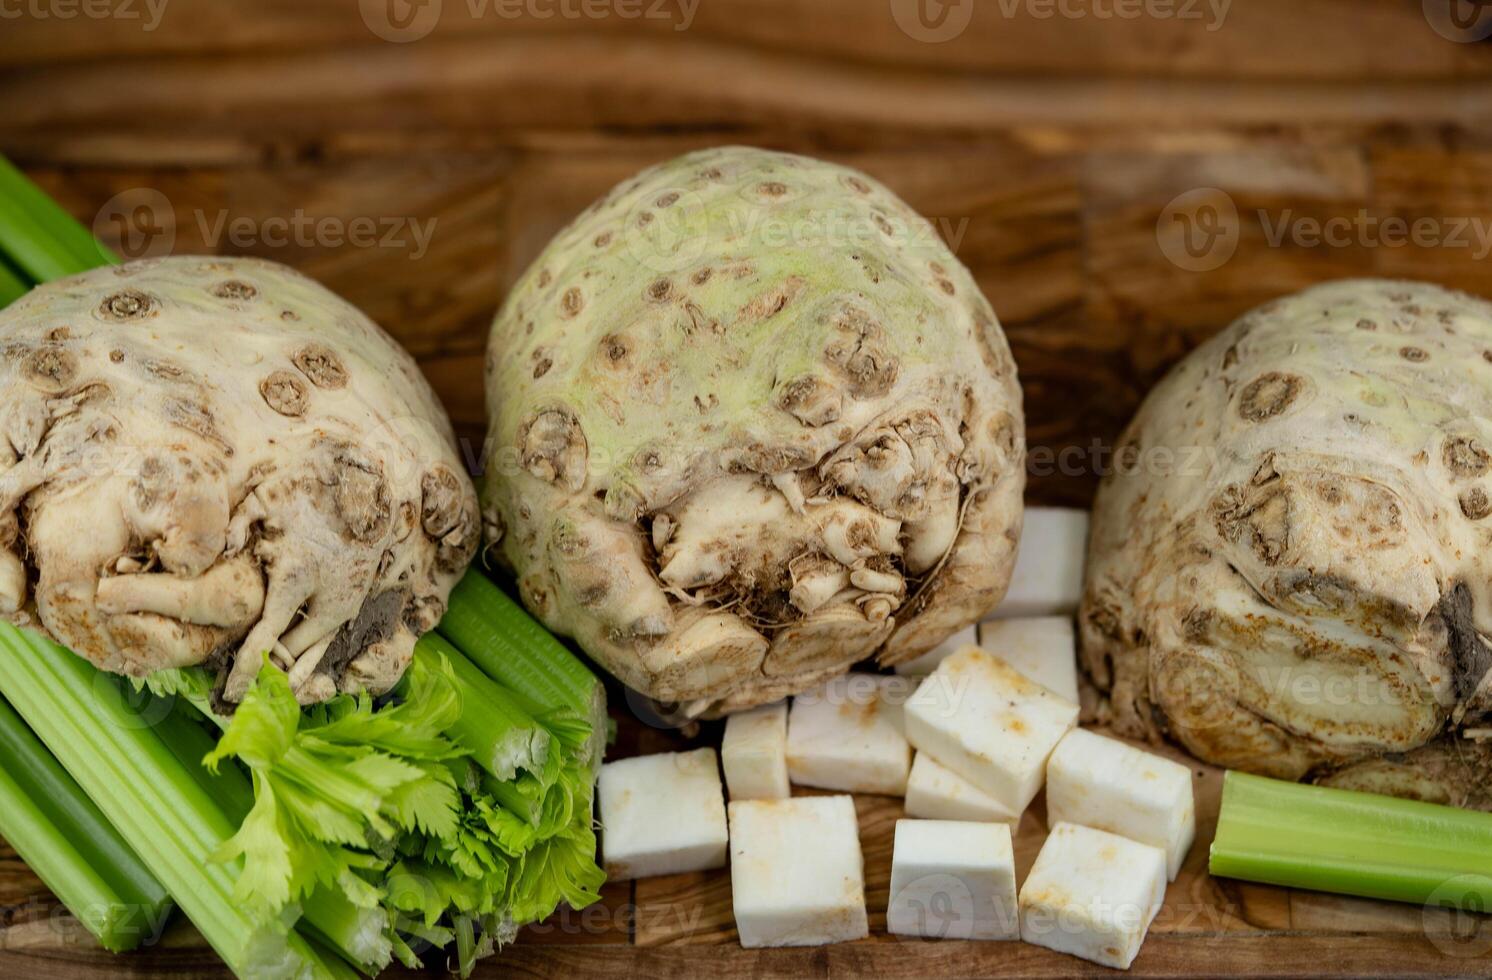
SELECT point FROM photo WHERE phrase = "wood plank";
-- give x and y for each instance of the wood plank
(1166, 955)
(587, 82)
(1178, 38)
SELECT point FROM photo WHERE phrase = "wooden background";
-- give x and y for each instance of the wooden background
(1047, 148)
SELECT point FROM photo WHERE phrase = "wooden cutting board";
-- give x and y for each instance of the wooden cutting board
(1048, 149)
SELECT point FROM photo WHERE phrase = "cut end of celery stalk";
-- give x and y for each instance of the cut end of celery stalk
(1352, 843)
(494, 725)
(513, 649)
(359, 935)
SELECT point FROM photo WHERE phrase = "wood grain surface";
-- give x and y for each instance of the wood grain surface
(1047, 144)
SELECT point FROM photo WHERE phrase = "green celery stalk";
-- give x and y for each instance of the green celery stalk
(41, 239)
(1352, 843)
(64, 838)
(148, 795)
(358, 935)
(493, 727)
(190, 743)
(12, 285)
(514, 650)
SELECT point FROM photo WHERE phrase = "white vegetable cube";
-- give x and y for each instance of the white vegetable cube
(983, 719)
(953, 880)
(1044, 648)
(754, 754)
(1105, 784)
(1048, 575)
(662, 814)
(847, 735)
(1092, 894)
(928, 662)
(796, 874)
(938, 793)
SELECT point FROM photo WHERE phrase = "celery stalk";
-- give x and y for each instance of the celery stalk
(12, 285)
(41, 239)
(360, 936)
(493, 727)
(514, 650)
(62, 835)
(1363, 844)
(148, 795)
(190, 743)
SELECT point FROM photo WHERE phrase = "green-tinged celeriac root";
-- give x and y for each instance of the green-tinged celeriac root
(1288, 569)
(207, 458)
(751, 422)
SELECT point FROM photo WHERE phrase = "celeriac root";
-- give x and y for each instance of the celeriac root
(213, 459)
(1289, 567)
(751, 422)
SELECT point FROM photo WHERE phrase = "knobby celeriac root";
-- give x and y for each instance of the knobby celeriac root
(751, 422)
(209, 459)
(1289, 568)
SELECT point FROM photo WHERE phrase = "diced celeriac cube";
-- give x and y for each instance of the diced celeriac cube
(928, 662)
(953, 880)
(980, 717)
(662, 814)
(754, 754)
(1048, 575)
(796, 873)
(847, 735)
(1105, 784)
(1044, 648)
(936, 792)
(1092, 894)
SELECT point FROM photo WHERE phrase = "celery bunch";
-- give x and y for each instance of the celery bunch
(152, 800)
(450, 806)
(454, 811)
